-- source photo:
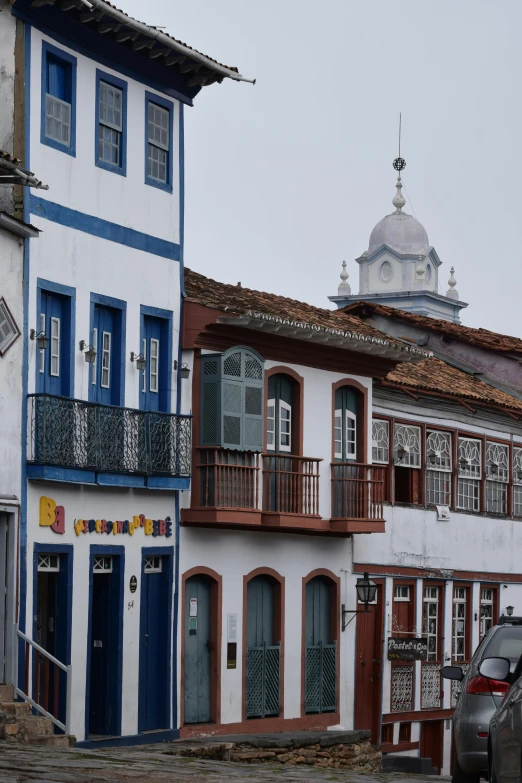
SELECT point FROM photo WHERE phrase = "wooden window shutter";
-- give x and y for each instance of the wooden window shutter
(211, 400)
(253, 402)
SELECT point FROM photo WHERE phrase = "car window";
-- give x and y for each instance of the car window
(505, 643)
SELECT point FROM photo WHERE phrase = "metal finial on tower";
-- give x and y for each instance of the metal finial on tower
(399, 164)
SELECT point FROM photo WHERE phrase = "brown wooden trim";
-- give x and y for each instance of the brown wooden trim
(335, 629)
(349, 526)
(279, 635)
(263, 725)
(429, 573)
(297, 407)
(389, 747)
(216, 591)
(362, 431)
(204, 516)
(421, 715)
(296, 521)
(195, 481)
(412, 604)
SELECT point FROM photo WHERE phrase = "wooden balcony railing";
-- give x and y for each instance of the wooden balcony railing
(291, 484)
(357, 491)
(228, 479)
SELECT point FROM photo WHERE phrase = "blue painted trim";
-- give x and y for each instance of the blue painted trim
(59, 54)
(108, 78)
(181, 129)
(22, 609)
(168, 316)
(94, 46)
(104, 229)
(175, 717)
(119, 480)
(58, 549)
(149, 738)
(68, 475)
(68, 291)
(121, 305)
(151, 97)
(116, 551)
(165, 552)
(168, 482)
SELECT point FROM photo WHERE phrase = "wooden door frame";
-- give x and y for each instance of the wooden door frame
(381, 588)
(215, 612)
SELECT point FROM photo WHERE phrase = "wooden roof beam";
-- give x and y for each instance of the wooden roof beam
(158, 52)
(68, 5)
(38, 3)
(190, 66)
(175, 58)
(90, 16)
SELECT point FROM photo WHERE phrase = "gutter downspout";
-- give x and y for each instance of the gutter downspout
(29, 179)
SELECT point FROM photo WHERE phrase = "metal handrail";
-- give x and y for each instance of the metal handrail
(65, 727)
(108, 405)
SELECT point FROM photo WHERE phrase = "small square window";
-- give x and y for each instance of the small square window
(401, 593)
(9, 331)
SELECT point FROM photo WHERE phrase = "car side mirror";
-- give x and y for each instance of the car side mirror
(495, 669)
(452, 673)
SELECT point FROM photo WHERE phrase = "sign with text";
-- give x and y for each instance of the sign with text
(407, 649)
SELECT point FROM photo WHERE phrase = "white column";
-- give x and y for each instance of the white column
(386, 664)
(418, 625)
(446, 652)
(475, 610)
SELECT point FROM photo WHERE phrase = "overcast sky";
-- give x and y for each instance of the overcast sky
(286, 179)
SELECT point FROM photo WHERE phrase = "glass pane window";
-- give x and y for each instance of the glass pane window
(338, 434)
(430, 621)
(406, 446)
(270, 425)
(55, 346)
(106, 360)
(438, 468)
(401, 593)
(459, 624)
(48, 562)
(153, 564)
(158, 142)
(469, 473)
(351, 435)
(111, 123)
(380, 441)
(497, 476)
(517, 481)
(285, 423)
(486, 610)
(58, 119)
(102, 565)
(153, 365)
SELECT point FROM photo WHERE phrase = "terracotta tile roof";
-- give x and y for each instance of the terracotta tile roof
(4, 155)
(434, 375)
(482, 338)
(234, 299)
(11, 163)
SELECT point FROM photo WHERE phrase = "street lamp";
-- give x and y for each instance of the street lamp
(366, 592)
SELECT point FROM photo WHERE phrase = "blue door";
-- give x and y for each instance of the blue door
(104, 384)
(154, 379)
(197, 650)
(53, 369)
(154, 712)
(104, 650)
(263, 652)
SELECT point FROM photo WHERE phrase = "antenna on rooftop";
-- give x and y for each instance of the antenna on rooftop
(399, 163)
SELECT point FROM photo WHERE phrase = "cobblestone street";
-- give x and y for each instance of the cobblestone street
(156, 764)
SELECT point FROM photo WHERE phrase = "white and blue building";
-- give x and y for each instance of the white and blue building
(105, 449)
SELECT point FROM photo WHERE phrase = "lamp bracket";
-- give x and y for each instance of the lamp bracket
(353, 612)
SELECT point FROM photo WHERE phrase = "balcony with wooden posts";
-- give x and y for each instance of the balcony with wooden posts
(281, 492)
(357, 498)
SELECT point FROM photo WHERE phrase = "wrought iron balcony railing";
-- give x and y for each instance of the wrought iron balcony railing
(77, 434)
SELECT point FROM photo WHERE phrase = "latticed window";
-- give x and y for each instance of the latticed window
(232, 401)
(517, 482)
(102, 565)
(438, 468)
(401, 593)
(380, 441)
(59, 75)
(458, 647)
(469, 474)
(487, 600)
(430, 621)
(48, 562)
(8, 328)
(110, 124)
(153, 564)
(497, 477)
(406, 446)
(158, 143)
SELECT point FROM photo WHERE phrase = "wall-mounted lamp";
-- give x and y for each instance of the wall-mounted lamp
(41, 340)
(185, 371)
(493, 468)
(510, 610)
(141, 362)
(519, 474)
(366, 591)
(400, 454)
(90, 352)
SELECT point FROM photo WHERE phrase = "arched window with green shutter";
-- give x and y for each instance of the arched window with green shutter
(232, 400)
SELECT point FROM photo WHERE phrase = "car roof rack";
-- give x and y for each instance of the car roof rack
(507, 620)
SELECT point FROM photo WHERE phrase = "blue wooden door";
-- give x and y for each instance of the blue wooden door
(53, 363)
(262, 680)
(320, 649)
(154, 712)
(197, 650)
(154, 391)
(105, 372)
(104, 655)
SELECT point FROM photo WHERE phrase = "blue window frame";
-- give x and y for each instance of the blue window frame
(156, 347)
(111, 123)
(58, 109)
(108, 328)
(159, 141)
(55, 308)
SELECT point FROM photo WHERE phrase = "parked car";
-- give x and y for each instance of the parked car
(505, 728)
(479, 698)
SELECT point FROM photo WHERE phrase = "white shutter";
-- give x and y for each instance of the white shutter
(338, 434)
(351, 435)
(285, 426)
(270, 425)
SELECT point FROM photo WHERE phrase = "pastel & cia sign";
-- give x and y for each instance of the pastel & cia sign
(53, 516)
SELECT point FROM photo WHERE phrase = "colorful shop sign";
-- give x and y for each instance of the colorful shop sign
(53, 516)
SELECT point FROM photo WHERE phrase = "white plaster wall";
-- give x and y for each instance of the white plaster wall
(375, 284)
(233, 554)
(11, 261)
(91, 264)
(84, 502)
(77, 182)
(7, 71)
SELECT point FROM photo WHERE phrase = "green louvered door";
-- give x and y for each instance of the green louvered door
(263, 652)
(320, 651)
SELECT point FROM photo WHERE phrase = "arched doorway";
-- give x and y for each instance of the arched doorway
(263, 647)
(349, 499)
(320, 640)
(283, 444)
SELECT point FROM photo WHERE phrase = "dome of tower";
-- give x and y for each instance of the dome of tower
(402, 232)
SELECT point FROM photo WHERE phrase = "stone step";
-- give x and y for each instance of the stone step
(34, 726)
(15, 709)
(54, 741)
(6, 693)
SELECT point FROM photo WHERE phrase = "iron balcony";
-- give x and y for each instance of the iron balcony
(73, 433)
